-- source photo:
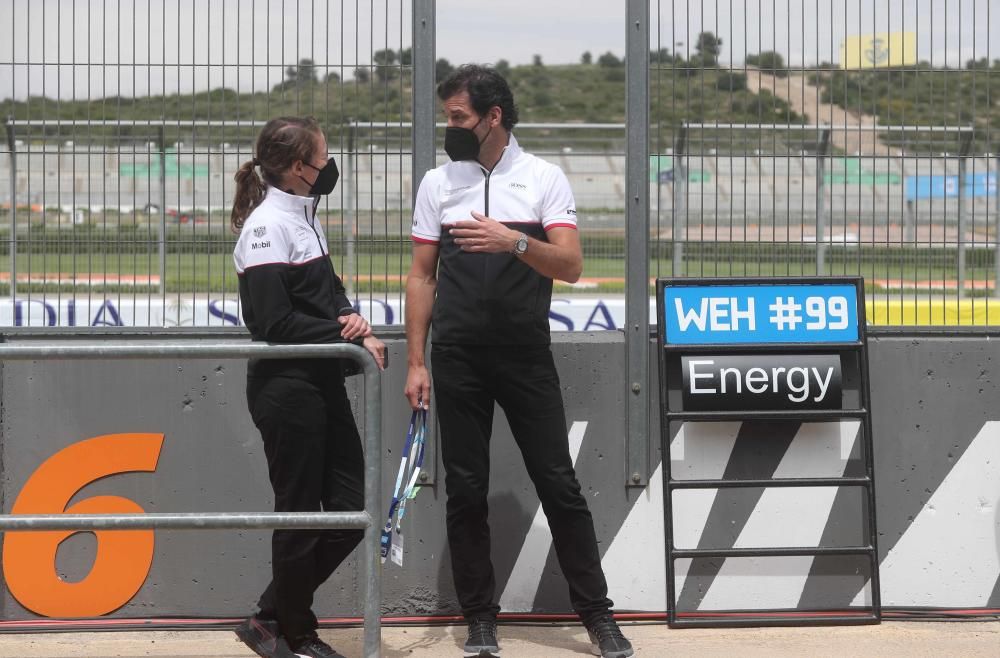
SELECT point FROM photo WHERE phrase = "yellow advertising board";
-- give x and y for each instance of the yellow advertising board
(949, 312)
(881, 50)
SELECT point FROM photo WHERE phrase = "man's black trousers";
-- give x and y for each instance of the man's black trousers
(523, 381)
(315, 463)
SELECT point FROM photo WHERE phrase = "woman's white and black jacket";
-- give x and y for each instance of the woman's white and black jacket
(289, 291)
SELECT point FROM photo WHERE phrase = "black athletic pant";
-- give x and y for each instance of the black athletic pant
(315, 462)
(523, 381)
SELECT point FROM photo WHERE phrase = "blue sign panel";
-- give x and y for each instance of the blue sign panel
(755, 314)
(942, 187)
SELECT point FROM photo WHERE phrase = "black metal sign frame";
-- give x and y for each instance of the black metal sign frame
(668, 358)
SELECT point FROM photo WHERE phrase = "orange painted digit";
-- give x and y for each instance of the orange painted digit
(123, 556)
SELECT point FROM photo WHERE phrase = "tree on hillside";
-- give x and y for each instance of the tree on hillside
(384, 64)
(769, 61)
(442, 69)
(708, 48)
(731, 81)
(406, 56)
(661, 56)
(609, 60)
(362, 75)
(536, 60)
(586, 58)
(302, 73)
(502, 67)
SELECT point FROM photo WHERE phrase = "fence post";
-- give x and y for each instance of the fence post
(423, 156)
(961, 226)
(12, 146)
(637, 243)
(824, 142)
(962, 173)
(162, 237)
(373, 501)
(350, 219)
(996, 230)
(909, 221)
(424, 101)
(680, 202)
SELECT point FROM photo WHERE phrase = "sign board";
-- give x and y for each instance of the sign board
(759, 314)
(880, 50)
(943, 187)
(761, 381)
(775, 352)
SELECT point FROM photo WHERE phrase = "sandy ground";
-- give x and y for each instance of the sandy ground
(806, 99)
(909, 639)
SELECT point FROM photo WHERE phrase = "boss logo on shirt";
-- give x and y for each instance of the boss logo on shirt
(518, 186)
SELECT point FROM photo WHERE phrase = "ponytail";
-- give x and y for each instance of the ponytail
(250, 192)
(281, 142)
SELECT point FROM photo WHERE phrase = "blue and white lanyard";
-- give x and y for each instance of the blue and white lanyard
(409, 471)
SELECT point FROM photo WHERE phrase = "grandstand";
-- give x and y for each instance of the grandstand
(723, 194)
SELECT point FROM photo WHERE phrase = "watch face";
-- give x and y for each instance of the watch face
(521, 245)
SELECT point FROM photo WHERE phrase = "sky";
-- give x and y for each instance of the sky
(79, 49)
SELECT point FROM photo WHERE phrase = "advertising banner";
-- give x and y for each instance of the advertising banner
(879, 50)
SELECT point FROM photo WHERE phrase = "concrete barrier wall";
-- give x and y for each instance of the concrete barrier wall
(937, 462)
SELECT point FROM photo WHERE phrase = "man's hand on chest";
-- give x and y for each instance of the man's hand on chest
(483, 234)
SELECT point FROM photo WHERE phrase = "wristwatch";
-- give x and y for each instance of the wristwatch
(521, 245)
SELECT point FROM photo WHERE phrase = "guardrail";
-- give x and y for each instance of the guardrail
(372, 587)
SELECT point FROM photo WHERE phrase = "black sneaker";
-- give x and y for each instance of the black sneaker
(607, 639)
(316, 648)
(482, 642)
(264, 637)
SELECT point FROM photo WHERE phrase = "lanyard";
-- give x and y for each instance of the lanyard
(410, 464)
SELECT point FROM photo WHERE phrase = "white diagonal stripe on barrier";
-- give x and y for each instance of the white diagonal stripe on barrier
(949, 555)
(794, 516)
(519, 594)
(635, 563)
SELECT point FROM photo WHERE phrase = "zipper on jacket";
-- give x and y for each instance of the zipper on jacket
(319, 243)
(486, 191)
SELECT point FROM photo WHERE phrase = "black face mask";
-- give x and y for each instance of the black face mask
(326, 179)
(462, 143)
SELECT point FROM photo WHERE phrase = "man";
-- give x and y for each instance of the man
(491, 230)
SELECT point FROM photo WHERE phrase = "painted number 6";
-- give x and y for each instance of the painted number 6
(123, 556)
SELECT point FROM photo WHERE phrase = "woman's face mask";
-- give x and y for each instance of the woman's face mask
(462, 144)
(326, 179)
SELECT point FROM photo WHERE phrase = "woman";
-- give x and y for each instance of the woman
(290, 293)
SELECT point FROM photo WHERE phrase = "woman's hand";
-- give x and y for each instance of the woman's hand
(354, 326)
(377, 349)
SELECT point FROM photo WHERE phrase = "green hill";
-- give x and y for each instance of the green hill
(591, 93)
(679, 92)
(922, 96)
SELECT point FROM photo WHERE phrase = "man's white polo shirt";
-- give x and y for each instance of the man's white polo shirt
(522, 189)
(492, 299)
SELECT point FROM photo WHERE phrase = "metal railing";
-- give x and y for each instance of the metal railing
(104, 350)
